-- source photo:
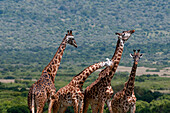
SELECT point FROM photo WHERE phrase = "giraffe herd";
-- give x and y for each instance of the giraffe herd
(96, 95)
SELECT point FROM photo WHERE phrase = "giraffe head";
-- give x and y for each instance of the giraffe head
(136, 56)
(125, 35)
(70, 38)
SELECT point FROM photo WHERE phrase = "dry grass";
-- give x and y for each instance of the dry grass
(142, 71)
(7, 80)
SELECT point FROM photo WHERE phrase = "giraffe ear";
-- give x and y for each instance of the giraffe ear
(131, 55)
(117, 33)
(141, 55)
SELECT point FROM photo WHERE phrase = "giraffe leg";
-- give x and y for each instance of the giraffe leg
(50, 105)
(101, 107)
(133, 108)
(40, 105)
(86, 105)
(81, 107)
(40, 101)
(95, 108)
(62, 109)
(56, 106)
(33, 104)
(81, 104)
(115, 109)
(30, 100)
(75, 105)
(109, 105)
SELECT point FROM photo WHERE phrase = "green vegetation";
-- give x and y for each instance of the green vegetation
(156, 70)
(13, 96)
(31, 31)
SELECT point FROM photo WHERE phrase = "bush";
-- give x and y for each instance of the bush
(142, 107)
(140, 79)
(9, 77)
(148, 75)
(157, 70)
(160, 106)
(18, 109)
(145, 94)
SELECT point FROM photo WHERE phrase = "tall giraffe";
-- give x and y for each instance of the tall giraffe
(100, 91)
(72, 94)
(42, 90)
(125, 100)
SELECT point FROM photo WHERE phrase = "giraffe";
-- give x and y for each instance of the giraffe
(42, 90)
(125, 100)
(100, 91)
(72, 94)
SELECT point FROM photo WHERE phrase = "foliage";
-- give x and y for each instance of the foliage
(157, 70)
(18, 109)
(146, 95)
(142, 107)
(13, 96)
(32, 31)
(11, 99)
(158, 106)
(161, 105)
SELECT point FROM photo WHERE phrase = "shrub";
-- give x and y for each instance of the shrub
(18, 109)
(142, 107)
(145, 94)
(9, 77)
(160, 106)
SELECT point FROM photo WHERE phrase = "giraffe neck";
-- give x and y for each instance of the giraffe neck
(116, 50)
(109, 72)
(79, 79)
(129, 86)
(117, 58)
(52, 68)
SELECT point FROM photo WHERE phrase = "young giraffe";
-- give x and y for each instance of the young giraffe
(41, 90)
(72, 94)
(100, 91)
(125, 100)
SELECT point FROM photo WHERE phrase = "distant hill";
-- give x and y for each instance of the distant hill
(31, 31)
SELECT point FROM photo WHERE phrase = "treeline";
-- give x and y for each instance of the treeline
(21, 63)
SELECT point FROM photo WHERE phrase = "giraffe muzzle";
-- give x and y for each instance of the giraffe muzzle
(74, 44)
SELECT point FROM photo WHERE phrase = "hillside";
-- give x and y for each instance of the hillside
(31, 31)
